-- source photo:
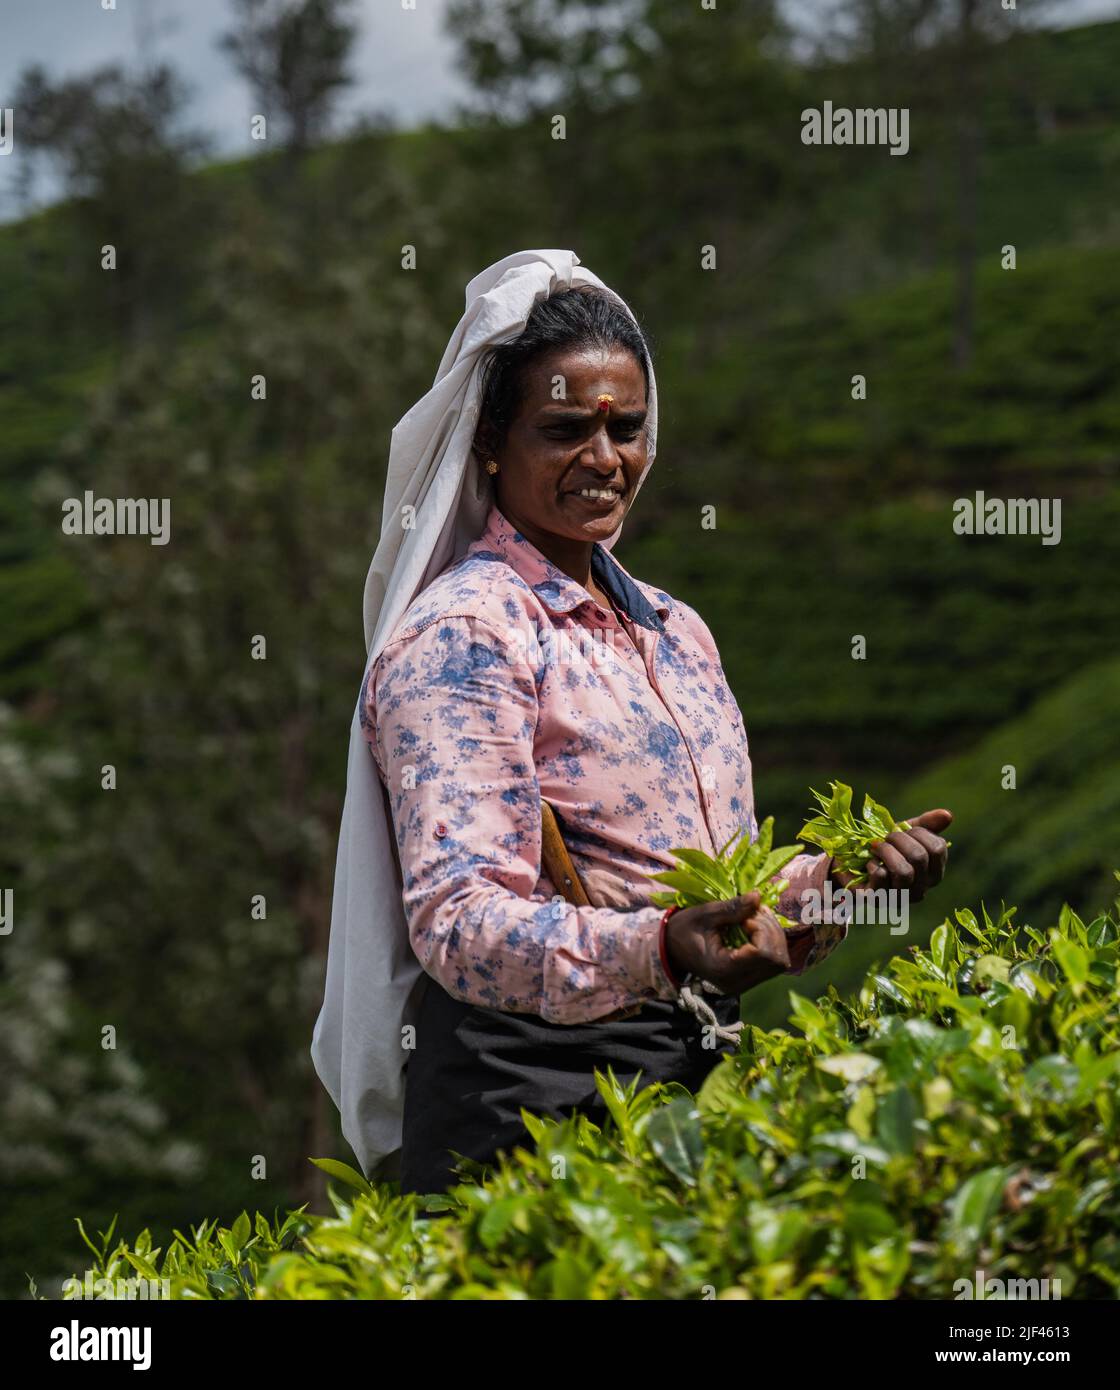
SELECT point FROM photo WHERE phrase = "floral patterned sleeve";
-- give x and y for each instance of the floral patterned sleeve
(800, 902)
(450, 710)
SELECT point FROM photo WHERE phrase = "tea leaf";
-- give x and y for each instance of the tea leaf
(748, 868)
(973, 1207)
(674, 1135)
(894, 1121)
(344, 1173)
(842, 836)
(852, 1066)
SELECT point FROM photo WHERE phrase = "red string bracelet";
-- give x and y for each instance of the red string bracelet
(661, 947)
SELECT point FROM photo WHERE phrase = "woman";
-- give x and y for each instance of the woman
(533, 667)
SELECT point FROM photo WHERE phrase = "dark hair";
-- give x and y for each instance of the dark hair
(576, 317)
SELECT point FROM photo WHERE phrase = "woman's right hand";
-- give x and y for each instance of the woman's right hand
(694, 944)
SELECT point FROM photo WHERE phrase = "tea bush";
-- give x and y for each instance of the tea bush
(959, 1113)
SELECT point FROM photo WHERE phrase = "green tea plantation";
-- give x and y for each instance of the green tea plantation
(957, 1114)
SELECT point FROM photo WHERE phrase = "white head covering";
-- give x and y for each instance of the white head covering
(374, 981)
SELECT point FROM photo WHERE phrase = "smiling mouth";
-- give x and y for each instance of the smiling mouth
(602, 496)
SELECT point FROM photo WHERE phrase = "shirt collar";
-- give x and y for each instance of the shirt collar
(558, 591)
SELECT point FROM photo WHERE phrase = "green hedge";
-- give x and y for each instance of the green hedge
(958, 1114)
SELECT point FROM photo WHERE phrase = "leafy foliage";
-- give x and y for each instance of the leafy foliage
(848, 839)
(957, 1113)
(742, 866)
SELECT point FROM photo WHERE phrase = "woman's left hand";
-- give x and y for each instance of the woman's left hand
(913, 860)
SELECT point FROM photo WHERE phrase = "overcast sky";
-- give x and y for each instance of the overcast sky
(403, 64)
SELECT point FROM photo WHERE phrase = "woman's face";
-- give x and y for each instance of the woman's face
(568, 468)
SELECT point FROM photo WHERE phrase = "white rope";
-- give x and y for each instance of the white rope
(703, 1012)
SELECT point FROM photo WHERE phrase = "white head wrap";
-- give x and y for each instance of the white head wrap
(374, 981)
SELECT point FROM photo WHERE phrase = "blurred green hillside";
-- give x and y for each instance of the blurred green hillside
(833, 519)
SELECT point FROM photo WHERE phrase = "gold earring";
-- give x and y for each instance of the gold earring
(492, 467)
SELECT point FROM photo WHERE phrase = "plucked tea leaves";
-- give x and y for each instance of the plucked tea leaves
(742, 866)
(847, 838)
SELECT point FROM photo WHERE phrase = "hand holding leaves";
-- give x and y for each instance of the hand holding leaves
(696, 940)
(841, 835)
(875, 850)
(740, 868)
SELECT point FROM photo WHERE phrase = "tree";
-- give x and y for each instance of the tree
(943, 53)
(294, 54)
(656, 96)
(118, 142)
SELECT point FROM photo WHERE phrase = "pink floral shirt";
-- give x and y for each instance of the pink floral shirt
(506, 682)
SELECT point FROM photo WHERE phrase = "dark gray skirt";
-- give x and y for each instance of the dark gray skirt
(473, 1069)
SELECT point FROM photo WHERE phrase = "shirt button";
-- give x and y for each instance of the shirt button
(441, 830)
